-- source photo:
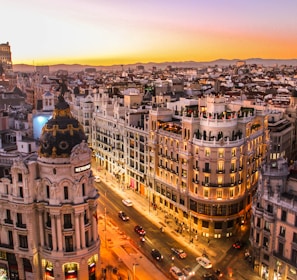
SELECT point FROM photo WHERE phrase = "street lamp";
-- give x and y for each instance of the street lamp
(190, 233)
(105, 226)
(134, 265)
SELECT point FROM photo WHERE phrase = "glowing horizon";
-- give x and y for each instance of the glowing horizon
(114, 32)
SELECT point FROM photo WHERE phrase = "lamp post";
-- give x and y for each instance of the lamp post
(190, 233)
(134, 265)
(105, 227)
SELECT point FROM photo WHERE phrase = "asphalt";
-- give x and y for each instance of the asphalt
(121, 259)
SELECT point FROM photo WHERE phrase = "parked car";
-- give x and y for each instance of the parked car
(123, 216)
(176, 273)
(139, 229)
(156, 255)
(205, 262)
(187, 270)
(127, 202)
(179, 252)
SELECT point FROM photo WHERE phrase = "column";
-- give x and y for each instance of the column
(82, 226)
(94, 225)
(59, 233)
(54, 232)
(41, 228)
(77, 231)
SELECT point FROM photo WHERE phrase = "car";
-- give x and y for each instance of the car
(123, 216)
(127, 202)
(179, 252)
(97, 179)
(205, 262)
(238, 244)
(209, 276)
(176, 273)
(187, 270)
(139, 229)
(156, 255)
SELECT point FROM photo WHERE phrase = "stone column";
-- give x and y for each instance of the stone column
(41, 228)
(77, 231)
(59, 233)
(54, 232)
(82, 227)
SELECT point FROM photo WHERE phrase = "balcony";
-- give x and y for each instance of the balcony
(220, 171)
(233, 170)
(206, 170)
(269, 216)
(8, 221)
(21, 225)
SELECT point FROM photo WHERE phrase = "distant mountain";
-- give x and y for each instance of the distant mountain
(195, 64)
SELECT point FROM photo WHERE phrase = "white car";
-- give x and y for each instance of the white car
(203, 261)
(127, 202)
(97, 179)
(176, 273)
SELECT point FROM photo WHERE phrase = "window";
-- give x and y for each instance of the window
(218, 225)
(284, 216)
(48, 220)
(10, 238)
(265, 242)
(267, 226)
(207, 152)
(47, 191)
(67, 221)
(219, 194)
(23, 241)
(86, 220)
(19, 220)
(66, 195)
(221, 153)
(233, 152)
(295, 237)
(231, 192)
(50, 241)
(258, 222)
(20, 177)
(280, 249)
(21, 194)
(294, 256)
(205, 192)
(83, 187)
(282, 231)
(68, 243)
(205, 224)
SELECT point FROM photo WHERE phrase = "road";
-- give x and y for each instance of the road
(111, 203)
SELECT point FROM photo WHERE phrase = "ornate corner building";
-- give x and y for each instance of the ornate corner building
(49, 206)
(204, 161)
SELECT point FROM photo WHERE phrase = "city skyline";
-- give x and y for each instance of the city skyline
(120, 32)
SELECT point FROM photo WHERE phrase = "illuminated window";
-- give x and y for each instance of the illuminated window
(219, 193)
(221, 153)
(207, 152)
(206, 192)
(233, 152)
(231, 192)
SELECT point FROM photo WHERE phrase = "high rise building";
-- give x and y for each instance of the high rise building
(49, 205)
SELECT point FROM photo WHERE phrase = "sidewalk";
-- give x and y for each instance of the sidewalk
(215, 248)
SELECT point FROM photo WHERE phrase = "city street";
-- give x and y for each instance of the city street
(219, 251)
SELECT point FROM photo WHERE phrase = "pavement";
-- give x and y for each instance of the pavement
(121, 259)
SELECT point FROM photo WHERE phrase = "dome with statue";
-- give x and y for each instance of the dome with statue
(61, 133)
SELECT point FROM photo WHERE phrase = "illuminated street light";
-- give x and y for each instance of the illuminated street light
(134, 265)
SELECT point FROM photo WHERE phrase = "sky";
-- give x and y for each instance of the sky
(108, 32)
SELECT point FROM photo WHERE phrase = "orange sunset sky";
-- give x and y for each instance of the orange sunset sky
(107, 32)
